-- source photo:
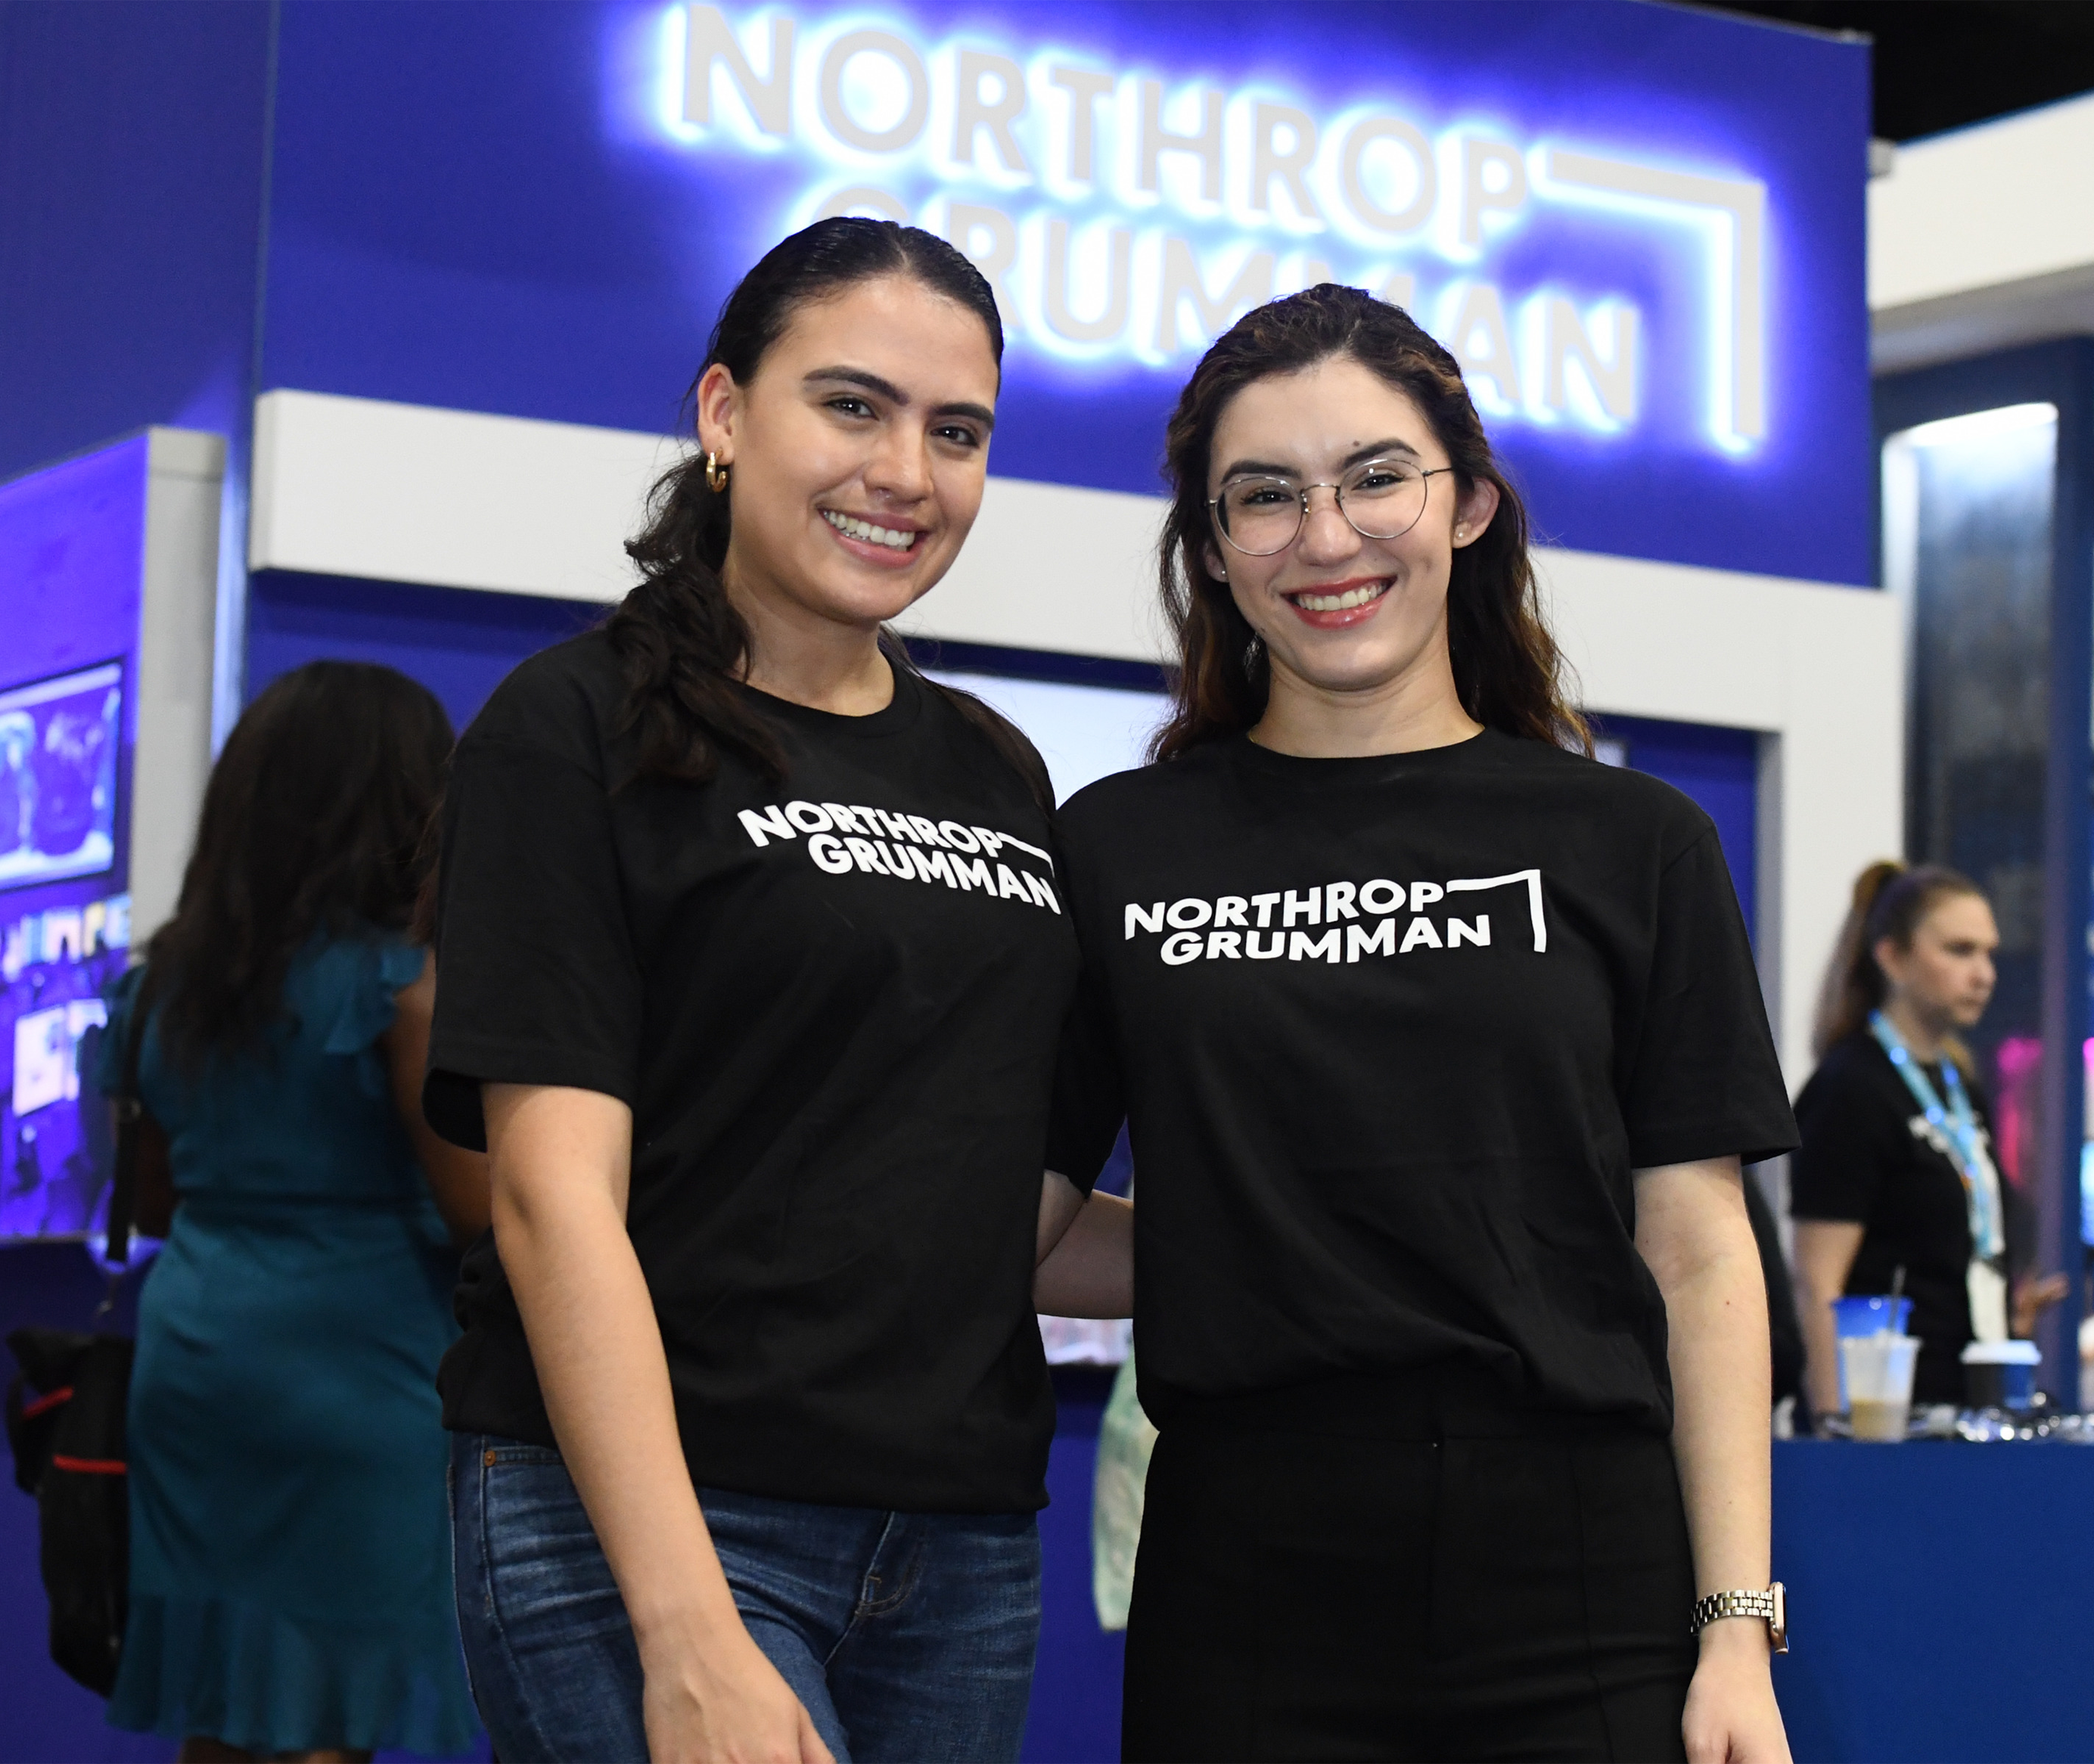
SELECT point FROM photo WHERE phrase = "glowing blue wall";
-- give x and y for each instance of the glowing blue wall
(498, 208)
(131, 156)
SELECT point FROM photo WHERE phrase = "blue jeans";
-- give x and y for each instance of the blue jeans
(909, 1637)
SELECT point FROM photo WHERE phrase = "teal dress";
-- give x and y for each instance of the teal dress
(290, 1541)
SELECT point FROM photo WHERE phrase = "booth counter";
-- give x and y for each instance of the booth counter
(1937, 1595)
(1938, 1599)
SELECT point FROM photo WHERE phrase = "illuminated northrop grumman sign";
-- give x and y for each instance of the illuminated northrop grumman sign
(1132, 212)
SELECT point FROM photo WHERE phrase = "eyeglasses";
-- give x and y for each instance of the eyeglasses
(1380, 498)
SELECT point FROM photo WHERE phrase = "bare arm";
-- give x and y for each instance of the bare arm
(1083, 1258)
(457, 1178)
(1825, 1252)
(561, 1164)
(1694, 1234)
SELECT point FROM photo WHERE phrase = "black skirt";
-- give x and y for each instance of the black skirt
(1357, 1572)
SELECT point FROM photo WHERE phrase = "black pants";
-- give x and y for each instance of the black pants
(1514, 1589)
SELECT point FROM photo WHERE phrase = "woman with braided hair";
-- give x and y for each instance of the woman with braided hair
(752, 964)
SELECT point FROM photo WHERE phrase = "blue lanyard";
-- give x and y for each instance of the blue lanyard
(1957, 1125)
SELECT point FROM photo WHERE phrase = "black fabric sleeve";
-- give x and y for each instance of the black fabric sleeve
(1839, 1170)
(1702, 1079)
(1089, 1104)
(537, 982)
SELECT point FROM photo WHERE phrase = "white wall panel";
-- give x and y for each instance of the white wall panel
(1983, 238)
(2003, 201)
(170, 763)
(404, 493)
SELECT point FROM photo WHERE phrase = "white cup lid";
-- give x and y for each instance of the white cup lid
(2003, 1354)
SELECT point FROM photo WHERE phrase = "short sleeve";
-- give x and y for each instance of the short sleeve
(536, 980)
(1701, 1079)
(1839, 1169)
(376, 973)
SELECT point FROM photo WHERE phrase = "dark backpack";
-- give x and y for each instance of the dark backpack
(65, 1424)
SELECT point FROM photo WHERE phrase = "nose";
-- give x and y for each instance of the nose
(900, 467)
(1326, 537)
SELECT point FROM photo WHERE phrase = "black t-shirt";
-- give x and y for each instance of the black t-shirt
(1867, 1158)
(832, 1005)
(1391, 1034)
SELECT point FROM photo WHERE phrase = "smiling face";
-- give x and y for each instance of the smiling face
(857, 454)
(1341, 613)
(1945, 976)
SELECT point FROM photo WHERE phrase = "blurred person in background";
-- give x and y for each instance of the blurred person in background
(290, 1567)
(1895, 1170)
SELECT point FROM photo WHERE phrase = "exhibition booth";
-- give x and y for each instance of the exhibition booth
(393, 309)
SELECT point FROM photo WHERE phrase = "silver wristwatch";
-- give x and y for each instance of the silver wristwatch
(1771, 1605)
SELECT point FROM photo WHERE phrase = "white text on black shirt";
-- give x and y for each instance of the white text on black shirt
(1335, 922)
(842, 837)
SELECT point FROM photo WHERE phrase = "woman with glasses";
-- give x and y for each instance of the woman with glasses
(1440, 1045)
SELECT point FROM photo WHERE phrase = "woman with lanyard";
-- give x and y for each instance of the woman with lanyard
(1895, 1168)
(1440, 1044)
(752, 964)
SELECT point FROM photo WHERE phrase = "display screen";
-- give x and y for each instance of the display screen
(60, 739)
(72, 546)
(1641, 229)
(55, 969)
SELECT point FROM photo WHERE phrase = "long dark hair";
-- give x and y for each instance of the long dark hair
(1890, 900)
(681, 638)
(313, 820)
(1508, 670)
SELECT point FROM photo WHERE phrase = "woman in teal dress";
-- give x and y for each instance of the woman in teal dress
(291, 1561)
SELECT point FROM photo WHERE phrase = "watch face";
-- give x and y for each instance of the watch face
(1778, 1623)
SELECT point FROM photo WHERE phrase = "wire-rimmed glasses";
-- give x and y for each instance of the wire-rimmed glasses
(1260, 515)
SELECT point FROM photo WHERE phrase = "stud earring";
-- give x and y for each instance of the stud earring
(715, 474)
(1461, 532)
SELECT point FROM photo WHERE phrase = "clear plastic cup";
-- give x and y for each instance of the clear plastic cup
(1868, 1316)
(1879, 1370)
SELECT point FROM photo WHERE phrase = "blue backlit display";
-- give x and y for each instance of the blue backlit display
(1640, 227)
(1135, 211)
(71, 556)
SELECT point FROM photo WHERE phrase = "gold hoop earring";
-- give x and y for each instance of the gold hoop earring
(715, 474)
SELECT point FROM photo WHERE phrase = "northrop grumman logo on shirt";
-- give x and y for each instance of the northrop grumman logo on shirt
(1338, 921)
(842, 837)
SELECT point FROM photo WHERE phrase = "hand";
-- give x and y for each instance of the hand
(2032, 1298)
(1732, 1716)
(723, 1703)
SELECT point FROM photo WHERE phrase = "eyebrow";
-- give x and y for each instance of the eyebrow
(886, 389)
(1261, 468)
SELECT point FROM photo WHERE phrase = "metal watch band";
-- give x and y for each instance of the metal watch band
(1771, 1606)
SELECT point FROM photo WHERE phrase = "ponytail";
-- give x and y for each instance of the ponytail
(1890, 900)
(682, 642)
